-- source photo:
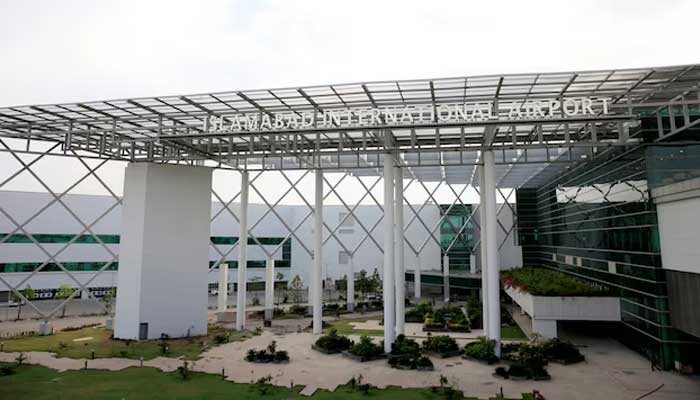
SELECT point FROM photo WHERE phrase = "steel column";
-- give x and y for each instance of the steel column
(223, 287)
(482, 253)
(242, 253)
(489, 193)
(399, 269)
(269, 288)
(446, 278)
(388, 281)
(417, 280)
(351, 286)
(316, 279)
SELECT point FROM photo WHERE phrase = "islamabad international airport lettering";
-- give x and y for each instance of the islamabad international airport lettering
(413, 115)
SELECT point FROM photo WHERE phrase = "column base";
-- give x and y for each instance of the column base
(269, 312)
(45, 328)
(351, 307)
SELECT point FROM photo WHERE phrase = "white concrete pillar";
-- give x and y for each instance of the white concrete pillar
(472, 263)
(399, 268)
(316, 278)
(351, 286)
(493, 269)
(484, 259)
(446, 278)
(223, 288)
(241, 295)
(417, 280)
(388, 281)
(269, 288)
(164, 252)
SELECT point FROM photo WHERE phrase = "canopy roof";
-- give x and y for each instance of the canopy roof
(179, 128)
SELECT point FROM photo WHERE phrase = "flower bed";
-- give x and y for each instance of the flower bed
(483, 350)
(441, 346)
(365, 350)
(332, 343)
(418, 313)
(446, 319)
(416, 362)
(404, 347)
(268, 355)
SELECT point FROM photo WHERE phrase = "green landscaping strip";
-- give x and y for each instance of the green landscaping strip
(41, 383)
(64, 345)
(546, 282)
(344, 327)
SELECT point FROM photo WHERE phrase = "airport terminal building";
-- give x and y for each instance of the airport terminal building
(592, 173)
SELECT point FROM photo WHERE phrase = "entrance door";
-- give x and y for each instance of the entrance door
(143, 331)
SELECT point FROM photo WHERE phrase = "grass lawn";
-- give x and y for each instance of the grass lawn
(512, 332)
(38, 383)
(98, 339)
(344, 328)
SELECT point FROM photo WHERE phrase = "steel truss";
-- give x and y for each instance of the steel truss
(172, 129)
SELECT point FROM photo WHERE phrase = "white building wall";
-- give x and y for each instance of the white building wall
(88, 207)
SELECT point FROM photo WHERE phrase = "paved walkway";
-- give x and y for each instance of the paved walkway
(610, 372)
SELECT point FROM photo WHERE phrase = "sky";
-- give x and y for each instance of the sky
(68, 51)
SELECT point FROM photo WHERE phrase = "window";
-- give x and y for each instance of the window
(343, 257)
(346, 221)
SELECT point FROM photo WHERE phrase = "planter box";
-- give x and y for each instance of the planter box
(362, 358)
(545, 311)
(448, 354)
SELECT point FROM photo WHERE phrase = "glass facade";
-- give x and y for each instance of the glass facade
(46, 238)
(598, 222)
(454, 232)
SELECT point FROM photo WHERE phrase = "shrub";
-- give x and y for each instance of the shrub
(221, 339)
(424, 362)
(264, 384)
(545, 282)
(518, 371)
(270, 354)
(366, 348)
(475, 313)
(6, 370)
(440, 344)
(297, 309)
(184, 371)
(450, 317)
(555, 349)
(418, 313)
(334, 343)
(403, 346)
(483, 349)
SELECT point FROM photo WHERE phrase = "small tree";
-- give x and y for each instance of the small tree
(296, 286)
(108, 301)
(64, 292)
(28, 294)
(279, 277)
